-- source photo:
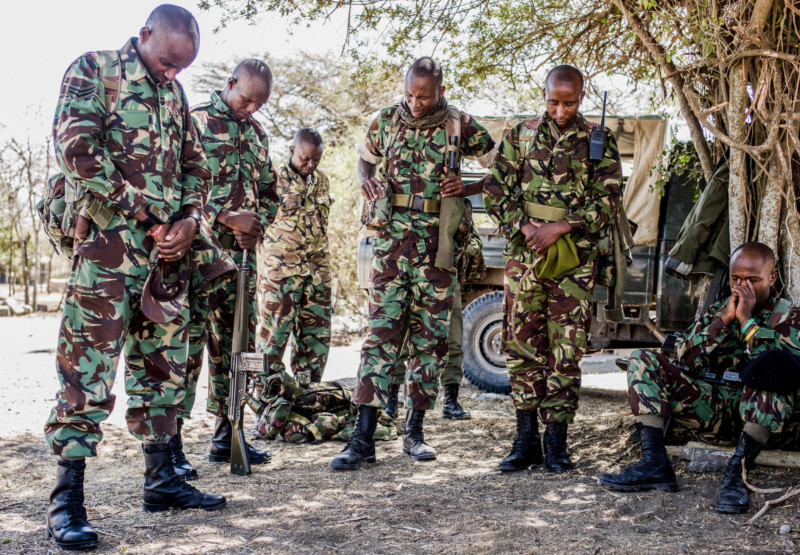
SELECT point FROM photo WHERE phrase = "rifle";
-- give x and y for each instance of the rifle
(242, 365)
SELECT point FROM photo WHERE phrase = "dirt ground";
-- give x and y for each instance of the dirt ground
(456, 504)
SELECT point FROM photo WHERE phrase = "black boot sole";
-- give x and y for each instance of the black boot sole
(559, 469)
(419, 457)
(462, 417)
(731, 509)
(669, 487)
(342, 466)
(88, 544)
(512, 468)
(158, 508)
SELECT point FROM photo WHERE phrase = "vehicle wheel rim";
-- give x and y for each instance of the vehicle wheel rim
(489, 342)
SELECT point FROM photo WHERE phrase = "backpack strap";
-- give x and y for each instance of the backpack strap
(527, 134)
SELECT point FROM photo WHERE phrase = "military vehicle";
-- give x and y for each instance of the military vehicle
(655, 303)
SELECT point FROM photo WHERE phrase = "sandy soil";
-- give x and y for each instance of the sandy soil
(456, 504)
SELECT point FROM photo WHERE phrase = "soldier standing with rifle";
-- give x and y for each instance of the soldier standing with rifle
(143, 160)
(241, 203)
(551, 203)
(411, 140)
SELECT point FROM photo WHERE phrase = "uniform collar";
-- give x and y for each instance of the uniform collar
(580, 124)
(290, 173)
(219, 104)
(135, 69)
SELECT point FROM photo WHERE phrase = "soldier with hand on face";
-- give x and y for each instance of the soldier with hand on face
(241, 203)
(142, 160)
(295, 267)
(411, 141)
(735, 378)
(553, 205)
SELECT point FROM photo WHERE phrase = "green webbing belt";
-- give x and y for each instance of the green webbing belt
(542, 212)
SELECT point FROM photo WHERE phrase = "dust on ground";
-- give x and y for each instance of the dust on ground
(456, 504)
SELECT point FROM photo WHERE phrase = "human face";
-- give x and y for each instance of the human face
(750, 267)
(563, 99)
(165, 53)
(422, 94)
(245, 95)
(305, 157)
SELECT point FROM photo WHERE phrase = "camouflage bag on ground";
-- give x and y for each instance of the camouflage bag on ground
(471, 265)
(299, 412)
(64, 202)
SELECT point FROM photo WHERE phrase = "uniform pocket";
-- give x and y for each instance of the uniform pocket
(129, 134)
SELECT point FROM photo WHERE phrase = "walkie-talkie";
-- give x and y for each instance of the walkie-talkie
(452, 155)
(597, 138)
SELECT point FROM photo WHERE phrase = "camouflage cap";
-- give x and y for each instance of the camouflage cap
(165, 289)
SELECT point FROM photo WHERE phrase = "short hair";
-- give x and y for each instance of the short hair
(427, 67)
(760, 249)
(564, 74)
(174, 18)
(308, 135)
(254, 68)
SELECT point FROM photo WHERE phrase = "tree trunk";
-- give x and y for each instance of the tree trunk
(737, 128)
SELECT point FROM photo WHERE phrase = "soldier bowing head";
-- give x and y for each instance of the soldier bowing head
(168, 43)
(563, 94)
(248, 89)
(423, 86)
(752, 273)
(306, 152)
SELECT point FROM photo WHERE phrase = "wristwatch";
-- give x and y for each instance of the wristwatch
(195, 216)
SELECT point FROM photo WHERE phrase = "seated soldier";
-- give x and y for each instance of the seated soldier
(753, 331)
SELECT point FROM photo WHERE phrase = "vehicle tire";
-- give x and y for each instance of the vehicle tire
(484, 360)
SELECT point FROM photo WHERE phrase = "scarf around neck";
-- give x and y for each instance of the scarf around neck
(434, 119)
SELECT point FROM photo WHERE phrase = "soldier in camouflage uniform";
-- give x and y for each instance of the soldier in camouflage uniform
(755, 334)
(241, 203)
(411, 140)
(294, 265)
(142, 160)
(543, 187)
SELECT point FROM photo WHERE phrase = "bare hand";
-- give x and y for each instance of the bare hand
(541, 236)
(373, 189)
(747, 301)
(243, 221)
(246, 240)
(177, 241)
(729, 313)
(81, 227)
(453, 187)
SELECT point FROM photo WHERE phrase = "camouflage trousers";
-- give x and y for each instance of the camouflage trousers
(453, 372)
(297, 306)
(211, 328)
(102, 318)
(399, 287)
(550, 320)
(716, 413)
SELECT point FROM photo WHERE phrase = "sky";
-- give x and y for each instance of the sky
(42, 37)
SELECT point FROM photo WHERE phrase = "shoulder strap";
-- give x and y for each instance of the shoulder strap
(111, 75)
(527, 134)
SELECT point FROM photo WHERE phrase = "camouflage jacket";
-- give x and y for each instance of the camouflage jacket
(710, 346)
(145, 152)
(296, 243)
(416, 165)
(553, 170)
(238, 156)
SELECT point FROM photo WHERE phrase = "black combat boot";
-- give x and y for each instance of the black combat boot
(527, 447)
(361, 446)
(652, 471)
(452, 410)
(732, 496)
(66, 515)
(183, 468)
(163, 489)
(221, 445)
(413, 438)
(555, 448)
(391, 403)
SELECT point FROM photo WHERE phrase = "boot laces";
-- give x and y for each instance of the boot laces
(176, 451)
(75, 507)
